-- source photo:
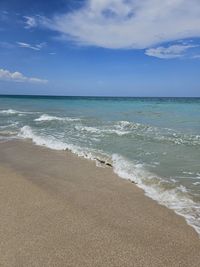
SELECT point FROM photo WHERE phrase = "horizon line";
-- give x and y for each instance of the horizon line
(92, 96)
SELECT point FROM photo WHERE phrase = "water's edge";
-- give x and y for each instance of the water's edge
(120, 173)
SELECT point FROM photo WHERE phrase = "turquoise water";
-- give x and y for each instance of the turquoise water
(154, 142)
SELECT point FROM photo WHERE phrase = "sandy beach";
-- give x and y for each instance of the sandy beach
(60, 210)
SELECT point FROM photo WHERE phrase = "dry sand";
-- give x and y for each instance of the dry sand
(60, 210)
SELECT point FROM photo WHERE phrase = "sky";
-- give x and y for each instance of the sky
(100, 47)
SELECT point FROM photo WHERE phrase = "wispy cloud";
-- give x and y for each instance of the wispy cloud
(36, 47)
(173, 51)
(196, 56)
(3, 15)
(123, 24)
(30, 22)
(6, 75)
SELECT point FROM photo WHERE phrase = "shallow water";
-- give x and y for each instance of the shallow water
(154, 142)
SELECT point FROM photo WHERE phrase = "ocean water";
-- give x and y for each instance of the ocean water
(154, 142)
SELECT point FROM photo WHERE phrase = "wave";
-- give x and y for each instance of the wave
(45, 117)
(53, 143)
(27, 132)
(9, 130)
(9, 111)
(150, 132)
(169, 195)
(15, 112)
(196, 183)
(88, 129)
(8, 133)
(103, 130)
(14, 124)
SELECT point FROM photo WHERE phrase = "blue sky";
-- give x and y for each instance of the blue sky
(100, 47)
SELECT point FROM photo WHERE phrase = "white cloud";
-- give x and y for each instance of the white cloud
(6, 75)
(36, 47)
(30, 22)
(126, 24)
(173, 51)
(196, 56)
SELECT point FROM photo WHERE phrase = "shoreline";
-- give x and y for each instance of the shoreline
(59, 209)
(149, 191)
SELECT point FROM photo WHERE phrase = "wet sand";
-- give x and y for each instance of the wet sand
(60, 210)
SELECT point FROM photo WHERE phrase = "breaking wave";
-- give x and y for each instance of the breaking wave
(53, 143)
(9, 111)
(15, 112)
(101, 130)
(45, 117)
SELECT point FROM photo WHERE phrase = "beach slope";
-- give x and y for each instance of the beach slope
(60, 210)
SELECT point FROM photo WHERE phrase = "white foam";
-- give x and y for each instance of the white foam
(104, 130)
(16, 112)
(176, 198)
(117, 132)
(53, 143)
(88, 129)
(123, 124)
(159, 134)
(9, 111)
(5, 133)
(26, 132)
(196, 183)
(9, 125)
(188, 173)
(45, 117)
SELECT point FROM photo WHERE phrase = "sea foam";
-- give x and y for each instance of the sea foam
(46, 117)
(176, 198)
(52, 143)
(9, 111)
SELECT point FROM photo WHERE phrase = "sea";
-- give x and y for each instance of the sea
(153, 142)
